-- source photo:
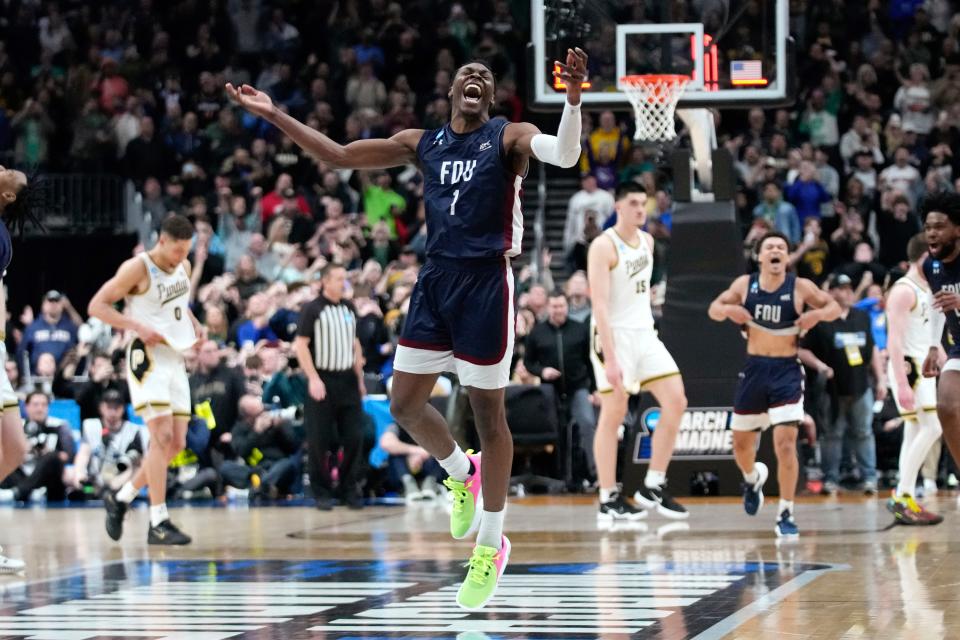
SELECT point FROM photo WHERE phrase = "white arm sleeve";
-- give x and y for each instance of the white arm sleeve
(937, 321)
(562, 149)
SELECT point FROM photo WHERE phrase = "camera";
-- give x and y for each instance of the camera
(289, 414)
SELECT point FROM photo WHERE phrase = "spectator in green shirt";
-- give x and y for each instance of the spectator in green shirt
(380, 201)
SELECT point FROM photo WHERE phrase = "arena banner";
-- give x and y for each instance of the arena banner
(705, 434)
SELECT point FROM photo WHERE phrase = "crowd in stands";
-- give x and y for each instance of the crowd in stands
(136, 89)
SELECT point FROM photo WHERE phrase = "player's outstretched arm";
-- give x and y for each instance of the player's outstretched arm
(380, 153)
(729, 304)
(563, 149)
(824, 307)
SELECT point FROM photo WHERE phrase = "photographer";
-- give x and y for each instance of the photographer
(112, 448)
(265, 442)
(101, 378)
(50, 447)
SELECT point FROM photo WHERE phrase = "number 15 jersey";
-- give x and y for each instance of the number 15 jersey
(629, 298)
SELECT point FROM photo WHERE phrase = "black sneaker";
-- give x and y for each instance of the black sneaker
(116, 510)
(353, 500)
(166, 533)
(660, 499)
(323, 498)
(619, 509)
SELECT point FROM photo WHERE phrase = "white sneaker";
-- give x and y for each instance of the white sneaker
(411, 492)
(430, 488)
(9, 565)
(237, 495)
(929, 487)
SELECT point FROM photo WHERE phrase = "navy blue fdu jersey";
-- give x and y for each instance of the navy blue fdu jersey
(772, 311)
(470, 193)
(945, 276)
(6, 249)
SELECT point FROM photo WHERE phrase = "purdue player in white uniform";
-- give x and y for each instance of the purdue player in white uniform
(156, 286)
(628, 356)
(909, 308)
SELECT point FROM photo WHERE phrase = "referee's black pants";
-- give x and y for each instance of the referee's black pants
(335, 422)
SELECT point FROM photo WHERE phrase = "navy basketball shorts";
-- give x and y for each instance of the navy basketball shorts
(461, 320)
(770, 392)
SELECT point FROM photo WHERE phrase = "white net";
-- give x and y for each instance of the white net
(654, 99)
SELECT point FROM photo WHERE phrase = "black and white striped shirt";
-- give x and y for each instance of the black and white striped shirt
(332, 329)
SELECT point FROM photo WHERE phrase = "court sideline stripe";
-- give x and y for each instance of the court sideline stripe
(730, 623)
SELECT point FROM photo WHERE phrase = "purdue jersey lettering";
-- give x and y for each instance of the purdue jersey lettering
(629, 303)
(163, 306)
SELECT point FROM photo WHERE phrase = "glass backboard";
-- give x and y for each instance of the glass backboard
(735, 51)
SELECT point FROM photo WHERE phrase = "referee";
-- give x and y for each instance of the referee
(329, 354)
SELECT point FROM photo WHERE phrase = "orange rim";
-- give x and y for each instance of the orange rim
(660, 88)
(652, 78)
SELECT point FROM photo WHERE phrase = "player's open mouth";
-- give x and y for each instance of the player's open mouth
(933, 247)
(775, 260)
(472, 92)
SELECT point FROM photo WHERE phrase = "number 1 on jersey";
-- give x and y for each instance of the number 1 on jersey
(453, 205)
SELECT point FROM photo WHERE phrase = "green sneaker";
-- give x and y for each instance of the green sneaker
(486, 566)
(467, 501)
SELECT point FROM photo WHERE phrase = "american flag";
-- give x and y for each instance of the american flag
(746, 72)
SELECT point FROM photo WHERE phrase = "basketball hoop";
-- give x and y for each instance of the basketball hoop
(654, 98)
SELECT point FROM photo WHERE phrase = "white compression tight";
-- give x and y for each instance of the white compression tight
(919, 434)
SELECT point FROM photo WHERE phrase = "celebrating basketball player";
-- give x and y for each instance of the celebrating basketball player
(908, 342)
(628, 356)
(17, 200)
(461, 310)
(770, 306)
(942, 271)
(156, 287)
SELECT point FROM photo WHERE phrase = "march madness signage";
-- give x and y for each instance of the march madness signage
(705, 434)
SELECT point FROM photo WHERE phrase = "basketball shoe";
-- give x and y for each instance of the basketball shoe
(467, 499)
(9, 565)
(660, 499)
(753, 493)
(906, 511)
(616, 508)
(786, 526)
(486, 565)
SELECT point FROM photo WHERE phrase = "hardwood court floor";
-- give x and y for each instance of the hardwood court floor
(392, 571)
